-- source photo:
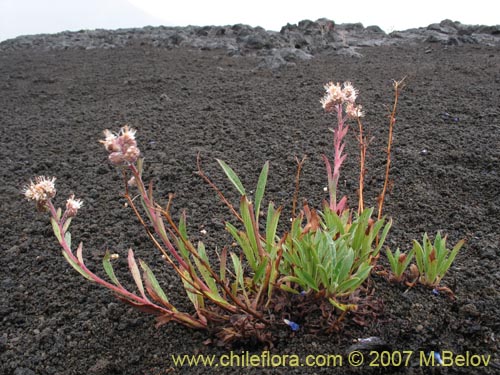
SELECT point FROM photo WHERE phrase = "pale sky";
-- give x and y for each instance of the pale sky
(21, 17)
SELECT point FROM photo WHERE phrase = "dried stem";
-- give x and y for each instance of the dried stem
(362, 157)
(392, 121)
(216, 189)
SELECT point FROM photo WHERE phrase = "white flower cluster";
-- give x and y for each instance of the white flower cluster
(41, 190)
(339, 95)
(122, 148)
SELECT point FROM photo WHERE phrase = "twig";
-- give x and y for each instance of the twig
(392, 121)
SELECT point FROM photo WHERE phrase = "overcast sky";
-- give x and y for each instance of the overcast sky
(21, 17)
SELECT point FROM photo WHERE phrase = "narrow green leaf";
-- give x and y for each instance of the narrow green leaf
(447, 263)
(259, 191)
(242, 240)
(66, 224)
(392, 259)
(59, 213)
(307, 279)
(204, 271)
(55, 228)
(259, 272)
(76, 266)
(246, 215)
(215, 296)
(145, 207)
(153, 287)
(349, 285)
(419, 256)
(293, 279)
(286, 288)
(67, 238)
(232, 176)
(346, 266)
(193, 295)
(238, 270)
(273, 217)
(340, 306)
(106, 263)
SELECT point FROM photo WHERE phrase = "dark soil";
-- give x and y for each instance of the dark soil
(55, 105)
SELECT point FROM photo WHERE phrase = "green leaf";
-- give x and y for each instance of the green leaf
(419, 256)
(348, 286)
(76, 266)
(307, 279)
(393, 260)
(340, 306)
(446, 264)
(55, 228)
(242, 240)
(286, 288)
(106, 263)
(66, 224)
(346, 265)
(215, 296)
(205, 273)
(193, 295)
(259, 272)
(293, 279)
(382, 237)
(135, 272)
(259, 191)
(238, 270)
(67, 238)
(145, 207)
(233, 177)
(246, 215)
(153, 287)
(273, 217)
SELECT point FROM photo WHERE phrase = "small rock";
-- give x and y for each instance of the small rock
(23, 371)
(470, 310)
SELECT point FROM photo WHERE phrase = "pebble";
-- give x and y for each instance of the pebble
(470, 310)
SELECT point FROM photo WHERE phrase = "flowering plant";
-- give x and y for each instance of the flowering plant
(326, 255)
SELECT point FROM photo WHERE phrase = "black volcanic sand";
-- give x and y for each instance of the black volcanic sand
(55, 105)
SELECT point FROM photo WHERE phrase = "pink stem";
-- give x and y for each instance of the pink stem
(338, 146)
(118, 290)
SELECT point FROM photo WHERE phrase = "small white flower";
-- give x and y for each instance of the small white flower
(41, 190)
(334, 96)
(73, 205)
(354, 111)
(350, 93)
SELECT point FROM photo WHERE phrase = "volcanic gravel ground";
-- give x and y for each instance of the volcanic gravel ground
(445, 173)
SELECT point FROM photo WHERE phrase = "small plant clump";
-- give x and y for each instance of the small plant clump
(325, 257)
